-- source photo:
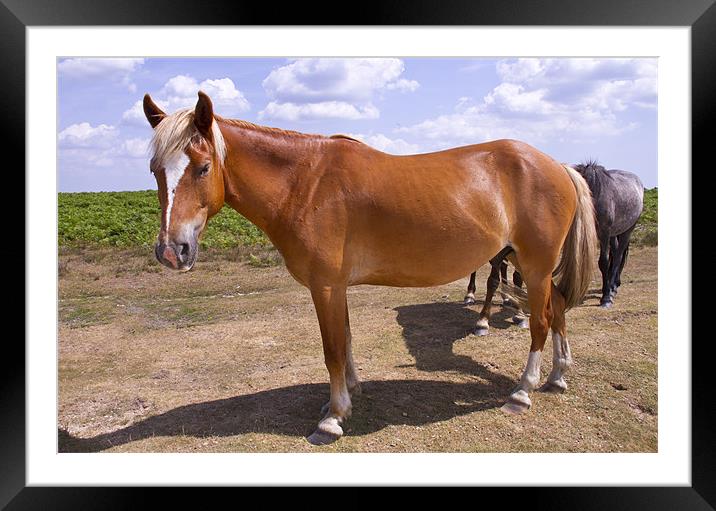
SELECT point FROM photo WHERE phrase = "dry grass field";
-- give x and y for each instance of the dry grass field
(227, 358)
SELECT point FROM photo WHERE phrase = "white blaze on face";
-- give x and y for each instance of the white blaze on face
(173, 171)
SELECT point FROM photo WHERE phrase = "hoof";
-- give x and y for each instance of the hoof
(322, 438)
(553, 387)
(328, 431)
(482, 327)
(521, 321)
(606, 305)
(514, 408)
(517, 403)
(469, 299)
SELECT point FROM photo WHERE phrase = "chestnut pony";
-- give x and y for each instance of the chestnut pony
(343, 214)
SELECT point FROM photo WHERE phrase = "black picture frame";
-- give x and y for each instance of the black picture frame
(700, 15)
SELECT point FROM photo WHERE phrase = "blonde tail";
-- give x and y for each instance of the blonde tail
(576, 266)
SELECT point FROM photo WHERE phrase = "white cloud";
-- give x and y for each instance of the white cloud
(329, 87)
(82, 67)
(181, 92)
(586, 81)
(98, 146)
(519, 70)
(542, 99)
(515, 98)
(86, 157)
(118, 70)
(403, 85)
(135, 147)
(85, 135)
(323, 110)
(388, 145)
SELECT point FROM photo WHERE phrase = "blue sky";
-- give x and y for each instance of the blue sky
(572, 109)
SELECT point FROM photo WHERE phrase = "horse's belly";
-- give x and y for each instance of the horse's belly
(422, 265)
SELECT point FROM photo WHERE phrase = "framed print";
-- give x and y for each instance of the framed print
(124, 381)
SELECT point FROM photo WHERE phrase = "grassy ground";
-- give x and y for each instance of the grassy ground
(227, 358)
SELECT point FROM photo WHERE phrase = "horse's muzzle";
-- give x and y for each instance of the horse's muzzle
(177, 256)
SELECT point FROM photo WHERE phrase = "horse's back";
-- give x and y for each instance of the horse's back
(432, 218)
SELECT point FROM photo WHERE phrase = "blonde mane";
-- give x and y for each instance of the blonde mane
(177, 131)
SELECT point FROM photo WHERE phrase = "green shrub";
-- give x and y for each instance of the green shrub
(646, 230)
(131, 219)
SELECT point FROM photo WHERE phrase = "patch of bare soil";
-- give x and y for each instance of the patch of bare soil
(227, 358)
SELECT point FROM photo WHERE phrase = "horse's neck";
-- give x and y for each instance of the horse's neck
(593, 178)
(261, 169)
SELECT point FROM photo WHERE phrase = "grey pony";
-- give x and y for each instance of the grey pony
(618, 198)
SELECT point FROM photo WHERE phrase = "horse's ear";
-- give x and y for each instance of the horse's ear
(152, 111)
(204, 115)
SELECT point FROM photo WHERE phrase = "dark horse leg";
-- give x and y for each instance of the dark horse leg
(620, 256)
(613, 244)
(517, 278)
(621, 267)
(503, 275)
(604, 265)
(470, 296)
(519, 318)
(493, 281)
(471, 287)
(498, 271)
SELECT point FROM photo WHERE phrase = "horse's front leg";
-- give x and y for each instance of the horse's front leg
(540, 321)
(352, 380)
(470, 296)
(330, 302)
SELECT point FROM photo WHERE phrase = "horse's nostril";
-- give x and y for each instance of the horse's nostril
(184, 249)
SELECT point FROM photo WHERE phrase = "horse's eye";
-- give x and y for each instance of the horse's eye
(204, 170)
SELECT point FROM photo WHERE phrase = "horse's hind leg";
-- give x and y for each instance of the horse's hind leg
(619, 246)
(470, 296)
(330, 302)
(520, 319)
(493, 281)
(561, 354)
(623, 242)
(506, 302)
(604, 266)
(621, 268)
(539, 289)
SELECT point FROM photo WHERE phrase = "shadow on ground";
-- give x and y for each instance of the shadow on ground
(431, 329)
(294, 411)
